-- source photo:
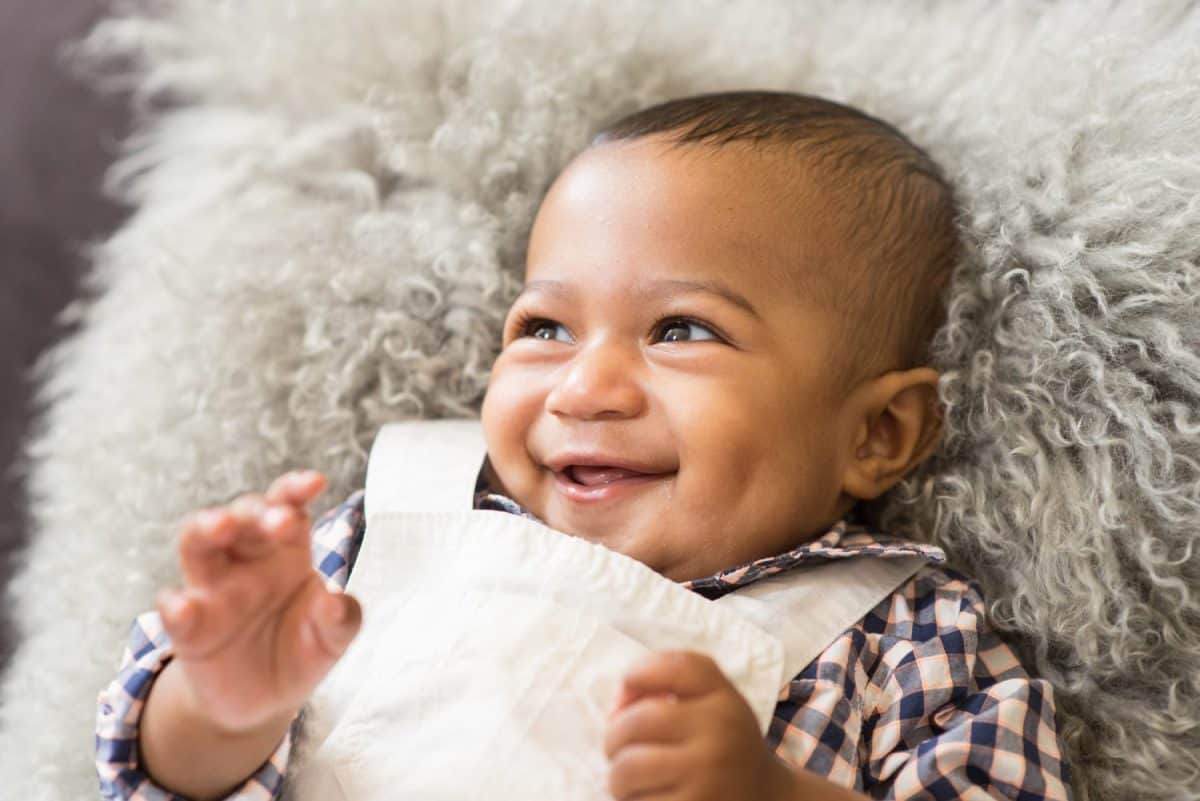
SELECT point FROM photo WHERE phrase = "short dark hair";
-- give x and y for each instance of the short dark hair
(909, 242)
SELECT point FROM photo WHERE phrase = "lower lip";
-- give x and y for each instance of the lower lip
(583, 493)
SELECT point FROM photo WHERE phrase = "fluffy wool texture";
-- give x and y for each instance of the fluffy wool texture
(332, 201)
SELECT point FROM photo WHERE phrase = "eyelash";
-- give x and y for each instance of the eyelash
(523, 325)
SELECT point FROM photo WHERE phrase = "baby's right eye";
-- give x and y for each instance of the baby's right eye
(547, 330)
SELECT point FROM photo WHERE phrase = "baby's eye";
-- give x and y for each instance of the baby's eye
(547, 330)
(680, 330)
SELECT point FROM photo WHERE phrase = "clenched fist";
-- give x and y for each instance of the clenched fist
(681, 730)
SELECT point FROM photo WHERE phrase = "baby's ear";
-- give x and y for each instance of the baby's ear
(899, 423)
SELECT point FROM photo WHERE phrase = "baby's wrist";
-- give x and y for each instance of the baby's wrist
(788, 783)
(200, 715)
(783, 783)
(185, 751)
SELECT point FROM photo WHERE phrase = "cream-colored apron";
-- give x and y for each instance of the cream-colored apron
(493, 647)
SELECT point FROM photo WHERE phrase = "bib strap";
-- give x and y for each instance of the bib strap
(424, 466)
(809, 608)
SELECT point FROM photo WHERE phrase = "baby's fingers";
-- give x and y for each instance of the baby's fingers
(184, 618)
(287, 525)
(177, 612)
(655, 719)
(216, 544)
(296, 487)
(332, 624)
(204, 540)
(251, 540)
(647, 771)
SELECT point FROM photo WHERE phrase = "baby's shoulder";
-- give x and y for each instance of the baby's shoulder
(938, 618)
(936, 598)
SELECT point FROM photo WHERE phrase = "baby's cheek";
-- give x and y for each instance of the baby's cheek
(510, 417)
(507, 409)
(721, 450)
(503, 427)
(724, 436)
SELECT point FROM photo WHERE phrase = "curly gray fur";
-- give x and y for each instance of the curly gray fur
(332, 204)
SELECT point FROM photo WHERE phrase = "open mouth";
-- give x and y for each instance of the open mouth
(601, 482)
(599, 475)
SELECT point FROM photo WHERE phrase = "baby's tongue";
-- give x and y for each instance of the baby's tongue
(594, 475)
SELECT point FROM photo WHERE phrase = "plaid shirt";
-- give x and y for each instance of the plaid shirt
(918, 700)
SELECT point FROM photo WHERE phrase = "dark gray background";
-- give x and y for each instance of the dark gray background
(56, 137)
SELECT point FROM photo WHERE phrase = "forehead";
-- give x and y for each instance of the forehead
(746, 216)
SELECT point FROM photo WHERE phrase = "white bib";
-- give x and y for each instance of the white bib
(493, 647)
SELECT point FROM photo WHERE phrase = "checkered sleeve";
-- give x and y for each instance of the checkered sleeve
(1000, 743)
(955, 715)
(336, 538)
(921, 700)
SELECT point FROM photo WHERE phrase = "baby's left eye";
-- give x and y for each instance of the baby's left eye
(684, 331)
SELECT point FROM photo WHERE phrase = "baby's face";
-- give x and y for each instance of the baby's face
(663, 387)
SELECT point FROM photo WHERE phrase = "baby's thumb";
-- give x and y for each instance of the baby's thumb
(336, 619)
(177, 612)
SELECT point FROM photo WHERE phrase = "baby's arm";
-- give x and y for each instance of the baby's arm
(254, 630)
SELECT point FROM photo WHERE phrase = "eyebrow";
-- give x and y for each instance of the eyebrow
(656, 289)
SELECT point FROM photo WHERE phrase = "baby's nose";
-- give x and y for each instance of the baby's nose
(600, 382)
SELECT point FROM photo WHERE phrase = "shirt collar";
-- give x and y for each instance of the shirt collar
(844, 540)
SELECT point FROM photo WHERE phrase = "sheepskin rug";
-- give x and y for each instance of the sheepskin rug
(332, 200)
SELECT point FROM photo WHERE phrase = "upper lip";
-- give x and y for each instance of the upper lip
(561, 461)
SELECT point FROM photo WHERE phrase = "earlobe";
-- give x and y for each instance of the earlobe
(861, 480)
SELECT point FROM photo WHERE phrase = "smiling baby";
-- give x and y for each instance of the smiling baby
(719, 352)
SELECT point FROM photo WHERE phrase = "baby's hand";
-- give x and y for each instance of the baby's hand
(681, 730)
(254, 629)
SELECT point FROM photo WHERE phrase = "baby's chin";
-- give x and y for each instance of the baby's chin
(647, 545)
(614, 532)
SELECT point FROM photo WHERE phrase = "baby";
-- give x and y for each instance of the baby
(718, 353)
